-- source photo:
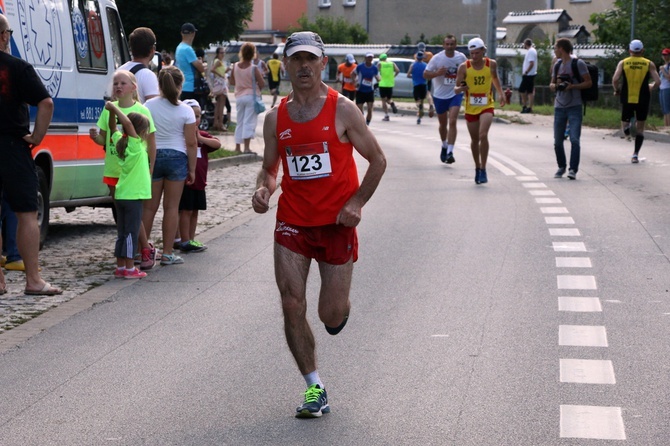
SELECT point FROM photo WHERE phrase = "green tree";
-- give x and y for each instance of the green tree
(406, 40)
(333, 31)
(613, 25)
(216, 20)
(436, 40)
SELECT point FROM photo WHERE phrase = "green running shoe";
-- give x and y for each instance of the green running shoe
(316, 403)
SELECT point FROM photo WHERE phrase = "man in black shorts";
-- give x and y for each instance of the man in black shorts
(529, 69)
(635, 91)
(18, 176)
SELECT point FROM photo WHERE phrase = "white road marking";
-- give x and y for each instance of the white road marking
(548, 200)
(539, 193)
(579, 304)
(559, 220)
(576, 282)
(587, 371)
(554, 210)
(569, 246)
(582, 335)
(501, 167)
(564, 232)
(526, 178)
(596, 422)
(511, 162)
(534, 185)
(573, 262)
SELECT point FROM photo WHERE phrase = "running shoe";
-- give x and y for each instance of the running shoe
(120, 273)
(171, 259)
(134, 274)
(482, 176)
(199, 244)
(386, 118)
(148, 258)
(431, 112)
(443, 155)
(192, 246)
(315, 404)
(626, 130)
(572, 174)
(418, 121)
(451, 159)
(477, 175)
(560, 172)
(394, 108)
(633, 159)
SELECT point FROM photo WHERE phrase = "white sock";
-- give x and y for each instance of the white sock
(177, 240)
(313, 378)
(444, 144)
(120, 268)
(450, 148)
(130, 270)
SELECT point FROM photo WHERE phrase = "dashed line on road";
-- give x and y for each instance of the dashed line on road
(577, 421)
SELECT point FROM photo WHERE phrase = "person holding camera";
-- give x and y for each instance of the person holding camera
(567, 105)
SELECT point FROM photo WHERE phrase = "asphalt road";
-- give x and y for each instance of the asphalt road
(528, 311)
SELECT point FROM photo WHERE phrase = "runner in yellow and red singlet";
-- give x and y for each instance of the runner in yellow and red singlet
(476, 77)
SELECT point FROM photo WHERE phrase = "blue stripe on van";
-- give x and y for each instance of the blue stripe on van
(74, 110)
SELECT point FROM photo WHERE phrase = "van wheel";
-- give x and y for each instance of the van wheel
(42, 205)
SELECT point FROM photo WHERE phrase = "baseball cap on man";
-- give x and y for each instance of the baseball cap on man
(350, 58)
(369, 55)
(419, 55)
(382, 56)
(304, 41)
(475, 43)
(665, 51)
(188, 28)
(636, 46)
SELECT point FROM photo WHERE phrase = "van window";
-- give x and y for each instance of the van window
(117, 36)
(89, 36)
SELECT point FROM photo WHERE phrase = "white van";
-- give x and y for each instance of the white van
(75, 47)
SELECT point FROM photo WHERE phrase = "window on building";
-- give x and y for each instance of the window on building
(324, 3)
(349, 2)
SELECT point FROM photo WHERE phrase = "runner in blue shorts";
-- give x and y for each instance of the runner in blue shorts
(442, 70)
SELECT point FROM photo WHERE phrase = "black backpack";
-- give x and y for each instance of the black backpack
(591, 93)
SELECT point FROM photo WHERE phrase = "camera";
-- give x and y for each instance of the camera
(563, 82)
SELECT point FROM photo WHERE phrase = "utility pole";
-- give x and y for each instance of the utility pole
(492, 29)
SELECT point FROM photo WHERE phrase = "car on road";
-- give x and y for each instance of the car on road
(403, 85)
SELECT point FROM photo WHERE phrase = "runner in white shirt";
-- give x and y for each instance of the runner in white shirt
(443, 68)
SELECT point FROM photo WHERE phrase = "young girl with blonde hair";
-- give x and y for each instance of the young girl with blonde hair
(133, 186)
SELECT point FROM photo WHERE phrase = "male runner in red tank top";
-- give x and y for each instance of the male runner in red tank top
(312, 134)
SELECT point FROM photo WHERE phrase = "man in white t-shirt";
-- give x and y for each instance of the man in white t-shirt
(142, 46)
(442, 68)
(529, 71)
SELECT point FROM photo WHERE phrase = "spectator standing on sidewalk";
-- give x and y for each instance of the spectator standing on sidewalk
(365, 76)
(529, 71)
(664, 94)
(344, 76)
(387, 73)
(242, 77)
(568, 105)
(18, 174)
(635, 91)
(142, 43)
(187, 61)
(442, 70)
(175, 158)
(477, 77)
(322, 202)
(415, 72)
(193, 198)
